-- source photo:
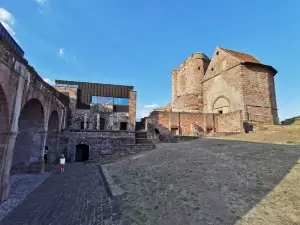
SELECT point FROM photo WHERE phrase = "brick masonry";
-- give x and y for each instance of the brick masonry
(229, 123)
(27, 106)
(233, 84)
(100, 142)
(132, 108)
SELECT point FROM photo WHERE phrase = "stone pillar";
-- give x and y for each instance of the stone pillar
(98, 121)
(6, 165)
(38, 146)
(85, 121)
(53, 145)
(174, 85)
(132, 109)
(11, 140)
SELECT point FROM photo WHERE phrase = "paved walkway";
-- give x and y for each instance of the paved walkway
(75, 197)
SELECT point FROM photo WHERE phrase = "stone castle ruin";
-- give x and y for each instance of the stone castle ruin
(89, 121)
(227, 94)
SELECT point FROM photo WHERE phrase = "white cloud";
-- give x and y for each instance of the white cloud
(8, 28)
(151, 106)
(6, 16)
(61, 52)
(7, 20)
(49, 81)
(41, 2)
(145, 113)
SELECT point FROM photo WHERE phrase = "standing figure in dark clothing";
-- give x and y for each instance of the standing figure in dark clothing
(46, 154)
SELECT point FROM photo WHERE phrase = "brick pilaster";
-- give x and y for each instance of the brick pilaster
(132, 108)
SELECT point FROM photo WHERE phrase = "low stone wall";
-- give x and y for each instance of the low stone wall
(100, 142)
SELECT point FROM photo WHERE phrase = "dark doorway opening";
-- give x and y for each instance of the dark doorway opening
(82, 153)
(156, 131)
(123, 126)
(174, 131)
(221, 112)
(102, 123)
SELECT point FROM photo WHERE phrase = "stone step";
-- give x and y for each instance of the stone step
(141, 135)
(143, 141)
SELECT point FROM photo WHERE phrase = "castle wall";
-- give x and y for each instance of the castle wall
(185, 123)
(100, 143)
(229, 123)
(259, 94)
(226, 85)
(186, 83)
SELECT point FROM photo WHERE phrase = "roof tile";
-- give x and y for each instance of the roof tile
(242, 56)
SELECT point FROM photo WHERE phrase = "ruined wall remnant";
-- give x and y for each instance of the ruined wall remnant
(132, 109)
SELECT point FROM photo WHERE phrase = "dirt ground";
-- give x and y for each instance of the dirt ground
(213, 182)
(277, 134)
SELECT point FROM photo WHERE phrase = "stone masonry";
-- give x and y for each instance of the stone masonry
(224, 94)
(30, 112)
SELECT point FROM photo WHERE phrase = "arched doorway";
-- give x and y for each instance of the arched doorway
(29, 140)
(82, 153)
(4, 124)
(52, 139)
(221, 106)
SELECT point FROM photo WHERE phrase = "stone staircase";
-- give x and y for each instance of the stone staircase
(142, 144)
(141, 138)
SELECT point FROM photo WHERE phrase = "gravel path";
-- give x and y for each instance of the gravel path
(22, 186)
(201, 182)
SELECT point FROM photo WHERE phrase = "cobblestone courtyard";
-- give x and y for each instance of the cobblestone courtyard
(74, 198)
(210, 182)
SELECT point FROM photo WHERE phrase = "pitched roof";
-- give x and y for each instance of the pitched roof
(247, 59)
(242, 56)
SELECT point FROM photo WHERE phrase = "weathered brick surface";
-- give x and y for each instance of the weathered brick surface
(186, 83)
(160, 119)
(132, 108)
(231, 81)
(99, 142)
(187, 121)
(112, 119)
(259, 94)
(224, 84)
(229, 123)
(29, 103)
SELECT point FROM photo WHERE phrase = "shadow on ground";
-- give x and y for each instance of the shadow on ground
(76, 197)
(201, 181)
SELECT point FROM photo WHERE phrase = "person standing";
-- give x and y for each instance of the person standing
(46, 154)
(62, 163)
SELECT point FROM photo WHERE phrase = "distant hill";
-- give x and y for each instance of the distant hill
(294, 120)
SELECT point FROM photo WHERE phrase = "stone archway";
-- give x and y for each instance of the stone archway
(30, 137)
(221, 105)
(52, 140)
(4, 127)
(82, 153)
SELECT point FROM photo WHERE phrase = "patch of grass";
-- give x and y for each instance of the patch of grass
(277, 134)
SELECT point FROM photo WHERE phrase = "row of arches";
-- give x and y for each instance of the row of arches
(31, 136)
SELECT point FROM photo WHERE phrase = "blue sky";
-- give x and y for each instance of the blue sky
(136, 42)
